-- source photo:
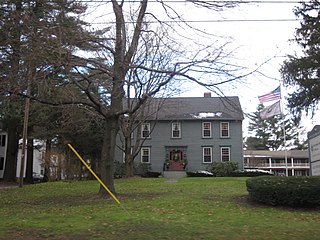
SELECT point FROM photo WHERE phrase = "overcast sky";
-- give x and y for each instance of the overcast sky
(257, 42)
(258, 32)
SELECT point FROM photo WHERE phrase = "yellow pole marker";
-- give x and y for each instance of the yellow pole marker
(95, 175)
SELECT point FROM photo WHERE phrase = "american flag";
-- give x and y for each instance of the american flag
(274, 95)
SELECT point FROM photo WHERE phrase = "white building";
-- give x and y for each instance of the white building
(37, 157)
(283, 163)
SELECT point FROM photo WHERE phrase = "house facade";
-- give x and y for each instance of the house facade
(282, 163)
(188, 134)
(314, 150)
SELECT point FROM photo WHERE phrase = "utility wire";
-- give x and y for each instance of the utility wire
(212, 21)
(190, 1)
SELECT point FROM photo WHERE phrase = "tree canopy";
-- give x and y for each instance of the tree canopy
(51, 56)
(303, 70)
(269, 134)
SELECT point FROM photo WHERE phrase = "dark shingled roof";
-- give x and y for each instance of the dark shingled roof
(187, 108)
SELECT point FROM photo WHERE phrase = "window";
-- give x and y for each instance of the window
(206, 130)
(224, 129)
(2, 140)
(207, 154)
(145, 155)
(145, 131)
(176, 130)
(225, 154)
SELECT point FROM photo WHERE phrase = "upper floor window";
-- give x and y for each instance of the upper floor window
(206, 130)
(145, 155)
(176, 130)
(225, 154)
(224, 130)
(145, 130)
(207, 154)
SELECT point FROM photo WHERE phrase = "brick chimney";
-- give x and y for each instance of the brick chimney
(207, 94)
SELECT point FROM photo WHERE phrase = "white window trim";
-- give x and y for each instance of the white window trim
(172, 128)
(222, 129)
(206, 129)
(203, 149)
(229, 150)
(142, 129)
(141, 153)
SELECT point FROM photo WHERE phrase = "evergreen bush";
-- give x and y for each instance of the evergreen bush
(285, 191)
(223, 169)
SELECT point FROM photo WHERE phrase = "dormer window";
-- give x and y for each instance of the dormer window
(176, 130)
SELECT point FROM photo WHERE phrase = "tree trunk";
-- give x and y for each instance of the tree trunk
(29, 167)
(46, 175)
(129, 166)
(59, 168)
(107, 156)
(12, 151)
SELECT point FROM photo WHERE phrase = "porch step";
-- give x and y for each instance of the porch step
(174, 174)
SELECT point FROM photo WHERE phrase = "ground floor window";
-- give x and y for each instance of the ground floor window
(145, 155)
(225, 154)
(207, 154)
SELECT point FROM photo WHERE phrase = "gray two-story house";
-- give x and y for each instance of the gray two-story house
(189, 133)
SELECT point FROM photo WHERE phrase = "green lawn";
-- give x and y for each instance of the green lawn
(191, 208)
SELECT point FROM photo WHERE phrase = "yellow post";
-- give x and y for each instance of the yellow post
(99, 180)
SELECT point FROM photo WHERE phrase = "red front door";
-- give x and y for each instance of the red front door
(176, 161)
(176, 166)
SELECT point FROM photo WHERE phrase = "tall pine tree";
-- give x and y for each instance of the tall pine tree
(269, 134)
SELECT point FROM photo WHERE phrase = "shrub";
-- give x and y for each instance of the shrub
(119, 169)
(223, 169)
(141, 168)
(285, 191)
(138, 169)
(151, 175)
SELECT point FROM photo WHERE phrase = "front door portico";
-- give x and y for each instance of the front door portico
(176, 158)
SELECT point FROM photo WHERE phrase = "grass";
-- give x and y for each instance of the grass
(191, 208)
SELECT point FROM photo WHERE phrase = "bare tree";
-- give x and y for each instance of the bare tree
(97, 81)
(184, 64)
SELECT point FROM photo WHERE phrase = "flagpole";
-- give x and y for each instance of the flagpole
(284, 134)
(275, 109)
(285, 147)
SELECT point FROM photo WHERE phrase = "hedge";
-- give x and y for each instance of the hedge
(222, 169)
(285, 191)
